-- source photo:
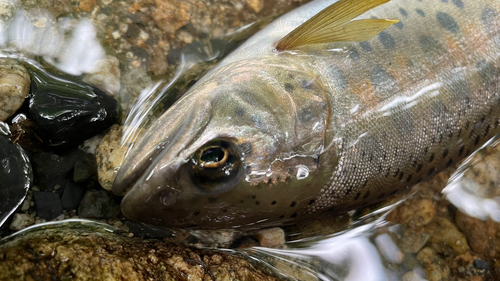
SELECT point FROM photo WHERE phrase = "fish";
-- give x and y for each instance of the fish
(332, 107)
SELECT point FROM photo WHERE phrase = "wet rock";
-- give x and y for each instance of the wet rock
(443, 231)
(72, 196)
(48, 204)
(21, 221)
(80, 253)
(16, 177)
(255, 5)
(98, 204)
(480, 265)
(53, 170)
(412, 276)
(435, 269)
(412, 240)
(271, 237)
(414, 213)
(85, 168)
(106, 75)
(483, 236)
(23, 131)
(110, 155)
(67, 112)
(14, 87)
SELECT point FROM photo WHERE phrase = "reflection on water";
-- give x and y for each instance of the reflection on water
(65, 42)
(368, 252)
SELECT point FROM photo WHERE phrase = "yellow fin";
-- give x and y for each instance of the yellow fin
(332, 25)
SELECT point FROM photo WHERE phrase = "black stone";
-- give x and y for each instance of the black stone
(85, 168)
(98, 204)
(48, 204)
(481, 265)
(67, 112)
(52, 169)
(72, 196)
(16, 177)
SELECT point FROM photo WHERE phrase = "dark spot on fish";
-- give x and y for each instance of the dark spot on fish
(253, 197)
(293, 204)
(239, 111)
(224, 210)
(447, 22)
(450, 135)
(419, 167)
(273, 203)
(282, 216)
(431, 158)
(399, 25)
(489, 73)
(450, 162)
(386, 40)
(414, 163)
(393, 192)
(331, 209)
(429, 45)
(440, 138)
(388, 172)
(426, 150)
(312, 201)
(241, 201)
(367, 194)
(381, 196)
(306, 115)
(459, 132)
(396, 173)
(486, 131)
(460, 151)
(257, 202)
(445, 153)
(348, 190)
(365, 46)
(490, 22)
(420, 13)
(196, 213)
(381, 80)
(467, 152)
(370, 158)
(357, 196)
(496, 124)
(419, 180)
(289, 87)
(431, 170)
(336, 75)
(483, 118)
(365, 182)
(307, 84)
(385, 155)
(293, 215)
(403, 12)
(353, 54)
(212, 199)
(401, 175)
(408, 179)
(458, 3)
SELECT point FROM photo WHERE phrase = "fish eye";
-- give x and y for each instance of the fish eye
(216, 166)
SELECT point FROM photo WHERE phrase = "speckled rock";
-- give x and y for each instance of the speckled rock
(435, 269)
(414, 213)
(109, 156)
(14, 87)
(271, 237)
(443, 231)
(20, 221)
(79, 254)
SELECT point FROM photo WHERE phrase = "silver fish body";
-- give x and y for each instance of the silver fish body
(269, 137)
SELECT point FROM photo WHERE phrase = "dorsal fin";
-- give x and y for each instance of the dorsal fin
(332, 25)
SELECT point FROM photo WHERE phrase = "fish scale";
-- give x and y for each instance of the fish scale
(322, 127)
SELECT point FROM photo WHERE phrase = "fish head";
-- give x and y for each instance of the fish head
(236, 151)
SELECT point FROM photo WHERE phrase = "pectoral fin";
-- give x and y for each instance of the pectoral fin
(333, 24)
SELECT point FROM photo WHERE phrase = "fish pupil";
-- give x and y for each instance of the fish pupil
(214, 154)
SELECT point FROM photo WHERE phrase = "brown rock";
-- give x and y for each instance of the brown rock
(87, 5)
(443, 231)
(483, 236)
(255, 5)
(271, 237)
(172, 15)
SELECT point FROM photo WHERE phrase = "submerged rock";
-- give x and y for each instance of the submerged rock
(88, 252)
(16, 177)
(67, 112)
(14, 87)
